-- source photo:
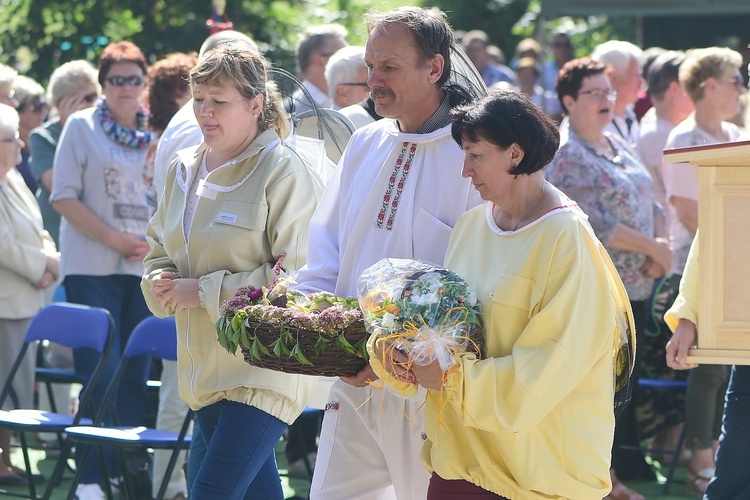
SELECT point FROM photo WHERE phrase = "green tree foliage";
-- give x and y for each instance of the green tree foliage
(39, 35)
(585, 32)
(495, 17)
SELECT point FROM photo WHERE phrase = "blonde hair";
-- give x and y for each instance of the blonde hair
(702, 64)
(71, 78)
(238, 65)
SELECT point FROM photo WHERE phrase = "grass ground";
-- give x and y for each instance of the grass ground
(294, 488)
(298, 489)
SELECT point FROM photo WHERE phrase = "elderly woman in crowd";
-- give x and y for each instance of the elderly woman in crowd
(72, 87)
(32, 109)
(29, 264)
(98, 188)
(545, 391)
(712, 79)
(598, 170)
(231, 208)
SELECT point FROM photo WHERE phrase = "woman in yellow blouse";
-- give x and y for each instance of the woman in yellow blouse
(535, 418)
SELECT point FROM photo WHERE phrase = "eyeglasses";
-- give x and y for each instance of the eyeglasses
(355, 84)
(121, 81)
(90, 98)
(737, 81)
(598, 94)
(36, 107)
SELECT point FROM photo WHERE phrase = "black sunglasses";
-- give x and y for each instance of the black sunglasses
(121, 81)
(355, 84)
(36, 106)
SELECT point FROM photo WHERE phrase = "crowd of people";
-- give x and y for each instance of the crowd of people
(161, 189)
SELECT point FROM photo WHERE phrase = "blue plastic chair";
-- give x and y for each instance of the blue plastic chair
(152, 337)
(665, 385)
(71, 325)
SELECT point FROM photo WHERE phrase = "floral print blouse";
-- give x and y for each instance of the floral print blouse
(610, 191)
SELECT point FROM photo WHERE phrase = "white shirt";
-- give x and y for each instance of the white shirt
(393, 195)
(182, 132)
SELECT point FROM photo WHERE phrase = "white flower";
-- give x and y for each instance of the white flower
(389, 320)
(426, 299)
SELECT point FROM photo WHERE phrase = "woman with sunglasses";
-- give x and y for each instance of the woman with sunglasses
(32, 109)
(72, 87)
(99, 189)
(711, 77)
(600, 173)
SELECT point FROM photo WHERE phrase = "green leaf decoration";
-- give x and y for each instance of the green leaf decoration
(299, 355)
(321, 345)
(255, 349)
(280, 348)
(344, 344)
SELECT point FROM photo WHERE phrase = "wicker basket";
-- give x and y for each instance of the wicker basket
(331, 362)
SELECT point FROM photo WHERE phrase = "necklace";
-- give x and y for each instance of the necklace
(527, 211)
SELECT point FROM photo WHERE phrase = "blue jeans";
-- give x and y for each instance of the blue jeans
(731, 479)
(121, 295)
(239, 461)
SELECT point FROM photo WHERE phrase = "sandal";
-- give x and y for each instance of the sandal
(696, 482)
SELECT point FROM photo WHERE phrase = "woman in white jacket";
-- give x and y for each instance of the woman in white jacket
(29, 264)
(231, 208)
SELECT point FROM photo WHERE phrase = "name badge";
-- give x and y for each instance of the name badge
(227, 218)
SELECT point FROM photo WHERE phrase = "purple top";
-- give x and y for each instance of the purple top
(610, 191)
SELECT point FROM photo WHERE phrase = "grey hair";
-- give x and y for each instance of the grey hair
(27, 89)
(313, 39)
(7, 74)
(71, 78)
(432, 33)
(616, 54)
(225, 36)
(8, 118)
(344, 66)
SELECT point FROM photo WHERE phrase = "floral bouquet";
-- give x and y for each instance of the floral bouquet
(428, 312)
(286, 330)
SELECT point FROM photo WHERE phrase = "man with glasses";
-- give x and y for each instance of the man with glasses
(346, 76)
(624, 72)
(315, 47)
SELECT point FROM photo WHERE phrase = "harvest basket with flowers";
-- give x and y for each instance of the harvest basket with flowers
(289, 331)
(426, 311)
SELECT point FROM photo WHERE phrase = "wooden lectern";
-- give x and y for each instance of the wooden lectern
(724, 270)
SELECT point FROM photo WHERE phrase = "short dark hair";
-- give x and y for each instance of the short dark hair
(505, 117)
(663, 71)
(571, 75)
(432, 33)
(117, 52)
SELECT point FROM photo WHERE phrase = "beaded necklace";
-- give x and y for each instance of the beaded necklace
(138, 139)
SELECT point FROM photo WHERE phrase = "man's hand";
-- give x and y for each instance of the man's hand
(685, 336)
